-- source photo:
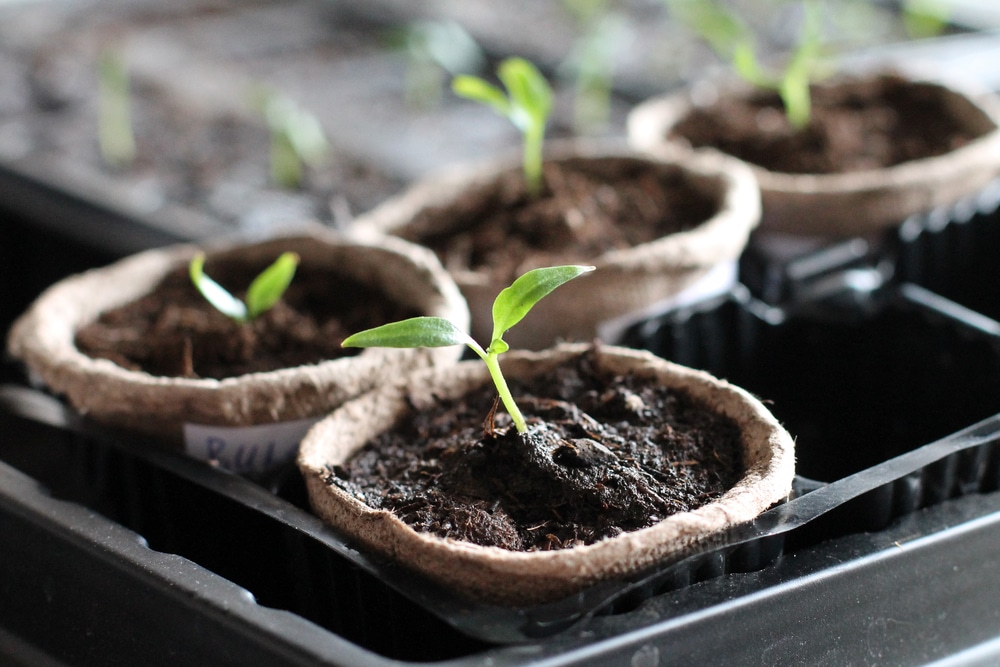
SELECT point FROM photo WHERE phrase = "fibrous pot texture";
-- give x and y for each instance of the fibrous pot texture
(677, 220)
(865, 197)
(159, 405)
(501, 576)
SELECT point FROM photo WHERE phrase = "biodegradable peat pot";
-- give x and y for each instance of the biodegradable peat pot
(654, 229)
(245, 420)
(881, 171)
(761, 451)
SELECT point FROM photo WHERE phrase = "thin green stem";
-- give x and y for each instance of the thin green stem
(533, 142)
(493, 364)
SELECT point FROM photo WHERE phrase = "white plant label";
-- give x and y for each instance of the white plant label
(246, 449)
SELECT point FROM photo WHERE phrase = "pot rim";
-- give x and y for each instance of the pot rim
(627, 281)
(545, 575)
(737, 215)
(961, 172)
(43, 336)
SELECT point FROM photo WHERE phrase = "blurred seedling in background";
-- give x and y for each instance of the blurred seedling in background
(115, 135)
(591, 62)
(509, 308)
(264, 291)
(297, 137)
(527, 103)
(925, 18)
(734, 42)
(435, 52)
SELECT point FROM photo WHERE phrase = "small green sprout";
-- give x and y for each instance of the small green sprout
(527, 104)
(297, 137)
(114, 118)
(591, 62)
(436, 50)
(925, 18)
(263, 293)
(732, 40)
(509, 308)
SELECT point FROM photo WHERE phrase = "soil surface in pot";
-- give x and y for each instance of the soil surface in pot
(857, 125)
(173, 331)
(604, 455)
(586, 209)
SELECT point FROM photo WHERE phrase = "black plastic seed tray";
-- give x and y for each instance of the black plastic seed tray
(121, 554)
(120, 557)
(858, 376)
(953, 252)
(783, 270)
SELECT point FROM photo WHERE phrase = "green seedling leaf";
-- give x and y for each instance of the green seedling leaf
(115, 135)
(794, 84)
(721, 29)
(475, 89)
(745, 64)
(591, 62)
(925, 18)
(297, 137)
(214, 293)
(450, 46)
(265, 290)
(529, 92)
(414, 332)
(794, 92)
(271, 284)
(436, 49)
(732, 39)
(527, 104)
(512, 304)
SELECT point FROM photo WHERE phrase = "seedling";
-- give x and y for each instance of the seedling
(436, 50)
(732, 40)
(591, 62)
(509, 308)
(263, 292)
(527, 104)
(297, 138)
(114, 121)
(925, 18)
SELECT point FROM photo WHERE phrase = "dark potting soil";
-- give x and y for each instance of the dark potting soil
(603, 455)
(173, 331)
(856, 125)
(584, 212)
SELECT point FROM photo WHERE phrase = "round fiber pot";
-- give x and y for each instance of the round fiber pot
(762, 449)
(677, 227)
(251, 421)
(866, 196)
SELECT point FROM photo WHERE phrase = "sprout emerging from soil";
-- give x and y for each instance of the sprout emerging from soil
(591, 62)
(527, 104)
(732, 40)
(263, 292)
(297, 138)
(509, 308)
(925, 18)
(436, 50)
(115, 136)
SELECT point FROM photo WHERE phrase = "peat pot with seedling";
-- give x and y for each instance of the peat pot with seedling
(654, 229)
(232, 352)
(847, 155)
(602, 462)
